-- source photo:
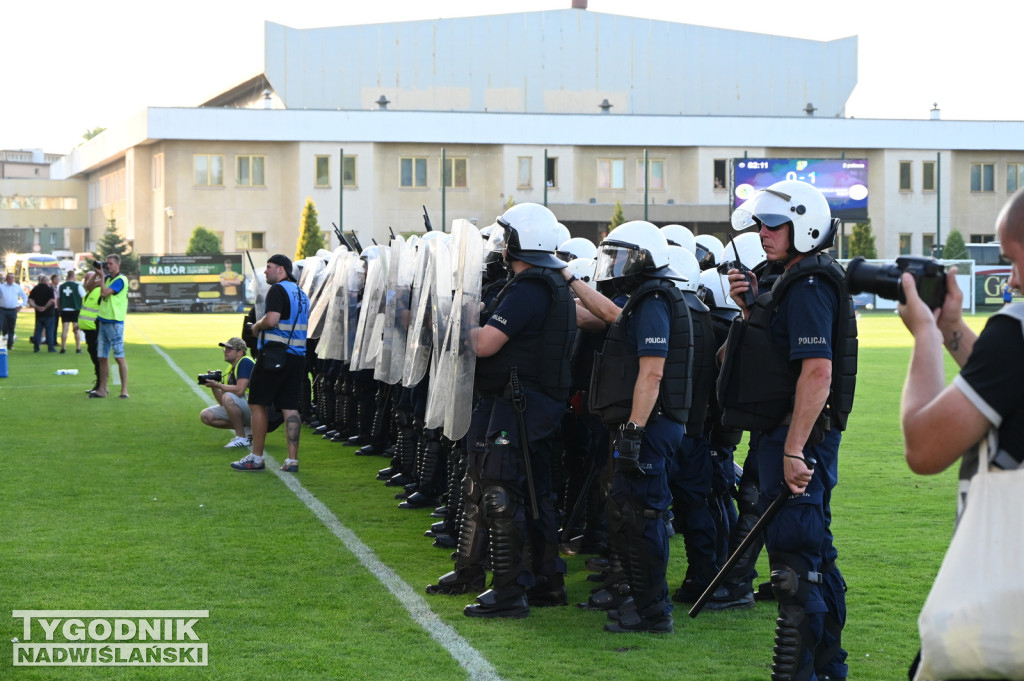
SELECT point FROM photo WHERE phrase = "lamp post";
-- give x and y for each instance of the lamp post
(170, 217)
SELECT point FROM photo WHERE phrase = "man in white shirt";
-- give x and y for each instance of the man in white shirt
(12, 299)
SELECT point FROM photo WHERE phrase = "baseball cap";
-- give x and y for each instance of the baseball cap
(235, 343)
(284, 261)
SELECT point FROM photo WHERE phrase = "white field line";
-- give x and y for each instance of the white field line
(476, 666)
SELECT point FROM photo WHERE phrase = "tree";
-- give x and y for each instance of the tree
(618, 217)
(89, 134)
(862, 241)
(955, 248)
(113, 243)
(310, 238)
(203, 242)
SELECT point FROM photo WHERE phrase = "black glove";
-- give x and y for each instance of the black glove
(627, 450)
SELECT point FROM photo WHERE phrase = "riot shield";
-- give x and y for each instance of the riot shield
(261, 288)
(418, 341)
(465, 319)
(353, 283)
(324, 287)
(440, 309)
(332, 302)
(382, 367)
(371, 316)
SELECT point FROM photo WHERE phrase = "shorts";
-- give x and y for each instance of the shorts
(110, 337)
(69, 316)
(219, 412)
(281, 389)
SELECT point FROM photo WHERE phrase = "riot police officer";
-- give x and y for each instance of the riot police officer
(641, 390)
(788, 375)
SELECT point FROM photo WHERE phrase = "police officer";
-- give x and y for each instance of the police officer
(788, 374)
(641, 390)
(523, 377)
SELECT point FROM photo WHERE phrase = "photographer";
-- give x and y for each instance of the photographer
(940, 422)
(232, 411)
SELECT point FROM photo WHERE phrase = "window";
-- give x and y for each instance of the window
(348, 171)
(927, 244)
(905, 244)
(250, 171)
(611, 173)
(981, 238)
(551, 172)
(983, 177)
(721, 180)
(524, 174)
(413, 172)
(209, 170)
(928, 176)
(158, 171)
(1014, 177)
(656, 168)
(323, 171)
(454, 173)
(905, 184)
(249, 241)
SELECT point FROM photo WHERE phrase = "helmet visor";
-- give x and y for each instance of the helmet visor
(496, 241)
(768, 207)
(614, 261)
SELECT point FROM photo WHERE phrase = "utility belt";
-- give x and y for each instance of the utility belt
(822, 425)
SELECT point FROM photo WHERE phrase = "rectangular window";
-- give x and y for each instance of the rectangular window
(323, 171)
(454, 173)
(208, 170)
(656, 169)
(905, 179)
(158, 171)
(928, 176)
(249, 241)
(1014, 177)
(348, 171)
(905, 244)
(983, 177)
(721, 178)
(611, 173)
(413, 172)
(551, 172)
(524, 173)
(981, 238)
(927, 244)
(250, 171)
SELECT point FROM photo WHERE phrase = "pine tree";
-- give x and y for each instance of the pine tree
(203, 242)
(511, 202)
(955, 248)
(310, 238)
(111, 243)
(862, 241)
(618, 217)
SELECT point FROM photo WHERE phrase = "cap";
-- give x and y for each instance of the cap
(235, 343)
(284, 261)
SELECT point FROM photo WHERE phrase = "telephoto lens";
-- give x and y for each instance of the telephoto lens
(884, 280)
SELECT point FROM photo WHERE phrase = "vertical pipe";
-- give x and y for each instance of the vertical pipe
(444, 222)
(544, 175)
(341, 190)
(938, 204)
(647, 182)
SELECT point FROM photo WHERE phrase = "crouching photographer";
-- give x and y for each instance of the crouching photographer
(232, 410)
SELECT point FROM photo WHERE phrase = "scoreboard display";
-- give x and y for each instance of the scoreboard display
(844, 182)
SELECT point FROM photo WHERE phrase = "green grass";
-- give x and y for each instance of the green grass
(130, 504)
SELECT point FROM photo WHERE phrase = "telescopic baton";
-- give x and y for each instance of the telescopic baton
(519, 401)
(754, 533)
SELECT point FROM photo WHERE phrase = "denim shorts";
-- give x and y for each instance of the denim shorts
(110, 337)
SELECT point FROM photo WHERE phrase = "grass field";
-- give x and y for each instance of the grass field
(130, 505)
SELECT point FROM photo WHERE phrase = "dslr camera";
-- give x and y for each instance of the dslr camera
(884, 280)
(214, 376)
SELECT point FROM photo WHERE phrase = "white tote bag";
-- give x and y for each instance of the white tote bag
(972, 623)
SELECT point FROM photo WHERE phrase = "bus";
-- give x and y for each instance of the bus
(28, 266)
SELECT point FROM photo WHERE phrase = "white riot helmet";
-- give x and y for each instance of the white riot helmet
(577, 247)
(717, 285)
(532, 234)
(685, 263)
(631, 251)
(563, 233)
(584, 268)
(678, 235)
(746, 249)
(790, 201)
(708, 250)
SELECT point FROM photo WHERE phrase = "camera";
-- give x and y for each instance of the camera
(214, 376)
(884, 280)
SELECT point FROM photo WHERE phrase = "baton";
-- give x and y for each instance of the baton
(519, 401)
(580, 500)
(426, 220)
(755, 531)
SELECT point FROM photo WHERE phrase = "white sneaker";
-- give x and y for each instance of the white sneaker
(238, 442)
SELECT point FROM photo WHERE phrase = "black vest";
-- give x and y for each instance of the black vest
(757, 383)
(617, 366)
(543, 361)
(705, 369)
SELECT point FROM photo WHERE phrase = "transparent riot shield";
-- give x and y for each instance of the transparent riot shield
(383, 365)
(332, 335)
(399, 310)
(261, 287)
(324, 286)
(465, 320)
(440, 310)
(367, 343)
(355, 280)
(418, 340)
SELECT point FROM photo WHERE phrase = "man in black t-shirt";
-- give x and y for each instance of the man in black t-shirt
(44, 301)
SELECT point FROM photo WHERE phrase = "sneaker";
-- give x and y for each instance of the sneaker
(248, 463)
(62, 351)
(290, 466)
(237, 442)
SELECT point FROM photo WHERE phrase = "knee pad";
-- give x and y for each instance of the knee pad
(498, 503)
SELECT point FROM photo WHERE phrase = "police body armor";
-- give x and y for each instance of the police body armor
(757, 382)
(543, 362)
(617, 366)
(704, 369)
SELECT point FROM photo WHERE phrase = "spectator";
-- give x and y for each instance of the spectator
(44, 302)
(12, 298)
